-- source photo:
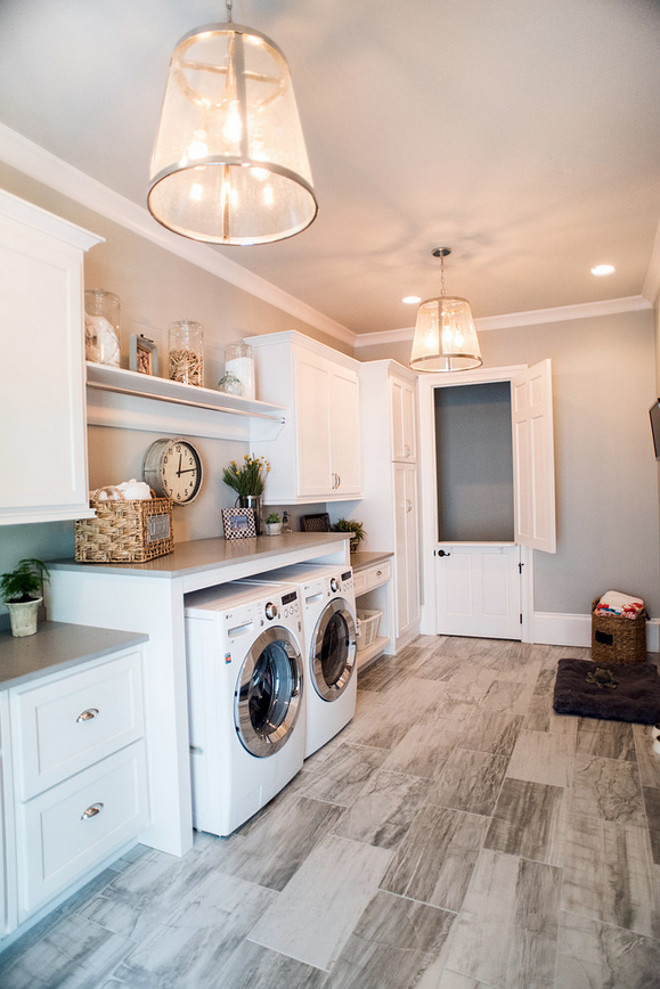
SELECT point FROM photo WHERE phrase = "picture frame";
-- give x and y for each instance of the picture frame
(142, 354)
(239, 523)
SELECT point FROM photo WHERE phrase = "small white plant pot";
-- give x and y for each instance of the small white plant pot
(273, 528)
(23, 616)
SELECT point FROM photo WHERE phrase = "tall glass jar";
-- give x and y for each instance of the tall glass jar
(102, 340)
(240, 363)
(186, 344)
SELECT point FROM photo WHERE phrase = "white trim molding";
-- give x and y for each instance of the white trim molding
(31, 159)
(575, 630)
(533, 317)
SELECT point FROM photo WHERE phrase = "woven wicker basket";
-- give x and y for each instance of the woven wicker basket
(125, 531)
(616, 639)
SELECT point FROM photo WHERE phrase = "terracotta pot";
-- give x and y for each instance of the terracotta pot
(23, 616)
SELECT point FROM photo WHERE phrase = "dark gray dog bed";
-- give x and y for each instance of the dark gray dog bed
(617, 691)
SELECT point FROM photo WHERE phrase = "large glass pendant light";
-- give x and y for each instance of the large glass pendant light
(229, 164)
(445, 336)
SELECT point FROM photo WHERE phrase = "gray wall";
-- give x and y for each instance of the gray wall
(606, 476)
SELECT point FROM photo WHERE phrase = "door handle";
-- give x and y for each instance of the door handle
(442, 552)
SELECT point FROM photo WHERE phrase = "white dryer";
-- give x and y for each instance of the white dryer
(245, 699)
(330, 632)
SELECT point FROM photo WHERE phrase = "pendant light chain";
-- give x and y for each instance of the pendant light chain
(229, 5)
(443, 290)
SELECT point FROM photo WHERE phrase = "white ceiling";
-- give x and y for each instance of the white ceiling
(524, 134)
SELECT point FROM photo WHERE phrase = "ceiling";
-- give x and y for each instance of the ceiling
(523, 134)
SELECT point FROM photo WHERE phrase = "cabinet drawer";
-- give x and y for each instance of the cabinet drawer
(374, 576)
(67, 724)
(73, 826)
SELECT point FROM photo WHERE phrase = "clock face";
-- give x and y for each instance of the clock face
(173, 468)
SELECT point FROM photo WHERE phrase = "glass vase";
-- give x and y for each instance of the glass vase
(253, 502)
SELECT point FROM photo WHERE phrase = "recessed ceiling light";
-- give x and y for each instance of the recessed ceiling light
(602, 269)
(411, 300)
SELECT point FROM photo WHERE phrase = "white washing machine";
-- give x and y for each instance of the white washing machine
(245, 699)
(330, 632)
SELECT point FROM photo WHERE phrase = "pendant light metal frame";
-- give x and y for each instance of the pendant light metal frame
(431, 349)
(228, 163)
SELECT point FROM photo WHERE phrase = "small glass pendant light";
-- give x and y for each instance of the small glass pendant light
(229, 164)
(445, 335)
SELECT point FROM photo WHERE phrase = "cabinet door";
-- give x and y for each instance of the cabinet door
(42, 400)
(345, 433)
(402, 406)
(407, 553)
(312, 405)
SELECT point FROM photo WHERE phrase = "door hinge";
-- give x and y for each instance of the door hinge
(521, 619)
(520, 566)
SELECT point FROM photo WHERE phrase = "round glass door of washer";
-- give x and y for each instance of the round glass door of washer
(332, 661)
(268, 692)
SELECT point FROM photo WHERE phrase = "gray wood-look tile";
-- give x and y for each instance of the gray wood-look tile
(469, 781)
(254, 967)
(492, 731)
(610, 739)
(508, 695)
(273, 850)
(607, 788)
(528, 820)
(608, 874)
(435, 860)
(314, 916)
(452, 980)
(393, 943)
(542, 757)
(383, 812)
(506, 935)
(648, 761)
(652, 806)
(592, 955)
(342, 776)
(423, 751)
(73, 953)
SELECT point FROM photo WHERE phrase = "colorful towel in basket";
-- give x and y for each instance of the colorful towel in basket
(616, 603)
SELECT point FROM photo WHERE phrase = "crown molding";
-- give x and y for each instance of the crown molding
(559, 314)
(31, 159)
(651, 286)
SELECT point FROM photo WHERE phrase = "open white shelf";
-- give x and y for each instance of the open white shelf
(129, 400)
(366, 656)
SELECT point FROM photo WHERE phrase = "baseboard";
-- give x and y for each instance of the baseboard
(575, 630)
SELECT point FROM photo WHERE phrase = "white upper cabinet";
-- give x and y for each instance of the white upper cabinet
(42, 399)
(317, 454)
(533, 458)
(402, 404)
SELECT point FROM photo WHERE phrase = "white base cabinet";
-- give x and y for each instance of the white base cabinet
(317, 454)
(42, 399)
(73, 743)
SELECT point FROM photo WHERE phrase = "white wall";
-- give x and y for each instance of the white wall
(606, 476)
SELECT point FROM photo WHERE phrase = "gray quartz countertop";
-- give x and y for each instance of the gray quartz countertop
(360, 561)
(208, 554)
(57, 646)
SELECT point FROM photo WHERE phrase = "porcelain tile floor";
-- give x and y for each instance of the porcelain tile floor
(456, 835)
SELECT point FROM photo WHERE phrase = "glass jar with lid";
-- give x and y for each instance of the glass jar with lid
(239, 362)
(186, 346)
(102, 339)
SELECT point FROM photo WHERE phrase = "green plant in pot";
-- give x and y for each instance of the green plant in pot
(356, 530)
(274, 524)
(248, 482)
(22, 592)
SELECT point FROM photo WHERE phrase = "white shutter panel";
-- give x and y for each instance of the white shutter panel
(533, 458)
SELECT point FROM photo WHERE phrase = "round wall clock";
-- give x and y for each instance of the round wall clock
(173, 468)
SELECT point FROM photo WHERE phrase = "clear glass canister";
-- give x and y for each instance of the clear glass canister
(240, 363)
(186, 341)
(102, 339)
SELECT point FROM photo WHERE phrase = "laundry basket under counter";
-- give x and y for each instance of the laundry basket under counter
(372, 582)
(367, 622)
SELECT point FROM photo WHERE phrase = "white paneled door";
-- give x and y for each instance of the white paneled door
(478, 590)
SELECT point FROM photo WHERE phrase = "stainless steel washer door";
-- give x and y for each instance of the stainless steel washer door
(333, 650)
(268, 692)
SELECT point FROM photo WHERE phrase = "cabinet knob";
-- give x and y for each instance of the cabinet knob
(91, 811)
(88, 715)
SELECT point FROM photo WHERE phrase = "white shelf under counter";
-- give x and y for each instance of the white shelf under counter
(130, 400)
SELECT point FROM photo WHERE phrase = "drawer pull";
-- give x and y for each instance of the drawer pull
(379, 573)
(88, 715)
(91, 811)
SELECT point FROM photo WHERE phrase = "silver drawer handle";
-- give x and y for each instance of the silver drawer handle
(88, 715)
(91, 811)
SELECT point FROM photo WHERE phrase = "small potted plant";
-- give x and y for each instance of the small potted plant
(248, 482)
(356, 530)
(22, 592)
(273, 524)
